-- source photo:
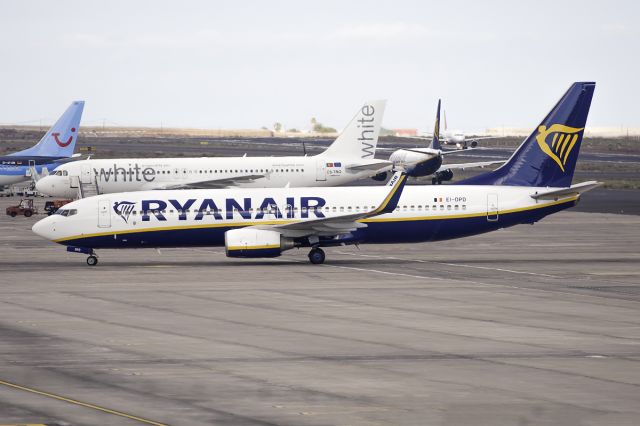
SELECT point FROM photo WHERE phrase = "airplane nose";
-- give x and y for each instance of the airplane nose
(41, 185)
(44, 228)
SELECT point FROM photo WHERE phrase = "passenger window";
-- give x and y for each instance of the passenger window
(456, 207)
(464, 207)
(442, 207)
(449, 207)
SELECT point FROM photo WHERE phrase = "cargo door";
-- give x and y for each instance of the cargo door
(492, 207)
(321, 170)
(104, 214)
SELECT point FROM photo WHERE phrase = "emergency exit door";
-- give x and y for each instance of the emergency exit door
(492, 207)
(321, 171)
(104, 214)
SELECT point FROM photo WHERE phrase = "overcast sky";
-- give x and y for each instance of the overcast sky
(250, 63)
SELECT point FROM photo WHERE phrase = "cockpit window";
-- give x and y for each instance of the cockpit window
(67, 212)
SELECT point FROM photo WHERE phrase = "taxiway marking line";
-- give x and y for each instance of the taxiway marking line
(460, 265)
(80, 403)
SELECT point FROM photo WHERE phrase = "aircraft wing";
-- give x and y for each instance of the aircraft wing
(378, 166)
(481, 138)
(462, 166)
(213, 183)
(576, 189)
(335, 225)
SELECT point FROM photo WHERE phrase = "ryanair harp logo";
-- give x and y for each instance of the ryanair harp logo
(124, 209)
(557, 141)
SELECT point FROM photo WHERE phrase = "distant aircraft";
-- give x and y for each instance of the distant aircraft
(349, 158)
(418, 162)
(55, 148)
(535, 182)
(459, 138)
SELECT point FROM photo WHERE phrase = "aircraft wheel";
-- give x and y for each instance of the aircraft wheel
(316, 256)
(13, 214)
(28, 213)
(92, 260)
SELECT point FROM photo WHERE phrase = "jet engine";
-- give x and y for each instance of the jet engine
(252, 242)
(380, 177)
(442, 176)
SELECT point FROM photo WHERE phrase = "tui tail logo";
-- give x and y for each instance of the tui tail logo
(123, 209)
(59, 142)
(557, 141)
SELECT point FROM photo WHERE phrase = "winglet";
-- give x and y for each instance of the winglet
(390, 202)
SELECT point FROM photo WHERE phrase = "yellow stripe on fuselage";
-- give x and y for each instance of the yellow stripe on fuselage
(272, 246)
(284, 221)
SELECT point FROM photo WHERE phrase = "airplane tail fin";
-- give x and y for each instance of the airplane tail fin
(435, 141)
(359, 139)
(548, 156)
(60, 139)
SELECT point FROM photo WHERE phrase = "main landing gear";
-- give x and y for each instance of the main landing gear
(316, 256)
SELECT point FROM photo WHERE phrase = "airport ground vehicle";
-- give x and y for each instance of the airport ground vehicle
(26, 208)
(52, 206)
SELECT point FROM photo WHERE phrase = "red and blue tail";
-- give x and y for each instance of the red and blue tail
(548, 156)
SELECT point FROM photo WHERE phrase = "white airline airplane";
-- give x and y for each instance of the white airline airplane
(535, 182)
(459, 138)
(349, 158)
(418, 162)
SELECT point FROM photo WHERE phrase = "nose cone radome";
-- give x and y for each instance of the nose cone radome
(44, 228)
(45, 186)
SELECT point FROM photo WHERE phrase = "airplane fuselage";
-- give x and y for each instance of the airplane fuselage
(15, 169)
(417, 161)
(122, 175)
(201, 217)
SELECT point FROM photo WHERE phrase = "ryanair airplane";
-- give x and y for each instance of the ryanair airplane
(349, 158)
(55, 148)
(427, 161)
(533, 183)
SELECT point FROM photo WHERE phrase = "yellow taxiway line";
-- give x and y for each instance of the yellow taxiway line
(82, 404)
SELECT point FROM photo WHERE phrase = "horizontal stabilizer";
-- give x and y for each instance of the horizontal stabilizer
(566, 192)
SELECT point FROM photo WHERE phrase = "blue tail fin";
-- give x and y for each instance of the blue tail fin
(60, 140)
(548, 156)
(435, 141)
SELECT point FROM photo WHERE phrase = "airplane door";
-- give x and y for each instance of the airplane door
(85, 174)
(32, 168)
(104, 214)
(321, 170)
(74, 181)
(492, 207)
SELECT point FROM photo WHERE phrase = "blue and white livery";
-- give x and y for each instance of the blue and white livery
(55, 148)
(534, 183)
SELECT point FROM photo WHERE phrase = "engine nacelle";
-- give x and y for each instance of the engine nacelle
(444, 175)
(252, 242)
(380, 177)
